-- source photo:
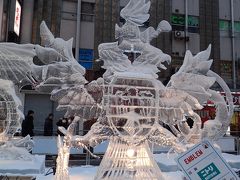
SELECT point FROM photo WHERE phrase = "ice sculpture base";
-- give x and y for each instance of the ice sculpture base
(121, 162)
(21, 168)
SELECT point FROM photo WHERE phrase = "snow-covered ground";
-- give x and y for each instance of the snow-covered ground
(167, 165)
(18, 167)
(88, 173)
(233, 160)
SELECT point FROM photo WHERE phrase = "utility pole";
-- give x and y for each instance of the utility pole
(78, 30)
(186, 25)
(233, 48)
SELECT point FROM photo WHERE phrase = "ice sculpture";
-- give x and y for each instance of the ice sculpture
(196, 78)
(58, 71)
(130, 103)
(15, 71)
(10, 121)
(17, 68)
(10, 114)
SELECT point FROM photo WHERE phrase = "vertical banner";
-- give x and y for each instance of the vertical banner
(17, 18)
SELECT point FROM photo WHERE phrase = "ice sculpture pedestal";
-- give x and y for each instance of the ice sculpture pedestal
(123, 161)
(23, 168)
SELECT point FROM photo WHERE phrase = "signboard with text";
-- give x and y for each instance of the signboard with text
(235, 96)
(225, 25)
(86, 57)
(179, 19)
(17, 19)
(203, 162)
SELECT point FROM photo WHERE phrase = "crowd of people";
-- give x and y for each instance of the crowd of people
(28, 124)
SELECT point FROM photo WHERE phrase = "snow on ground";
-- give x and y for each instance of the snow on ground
(35, 166)
(76, 173)
(233, 160)
(88, 173)
(168, 164)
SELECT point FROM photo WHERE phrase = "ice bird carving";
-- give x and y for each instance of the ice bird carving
(136, 12)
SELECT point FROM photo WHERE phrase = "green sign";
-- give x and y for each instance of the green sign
(179, 19)
(225, 25)
(209, 172)
(237, 26)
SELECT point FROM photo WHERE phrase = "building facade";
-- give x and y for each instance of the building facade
(195, 23)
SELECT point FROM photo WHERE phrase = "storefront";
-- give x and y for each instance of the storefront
(235, 123)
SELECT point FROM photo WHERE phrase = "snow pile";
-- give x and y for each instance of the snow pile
(23, 168)
(88, 173)
(232, 160)
(168, 164)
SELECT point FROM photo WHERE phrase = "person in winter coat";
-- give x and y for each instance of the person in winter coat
(48, 125)
(64, 123)
(27, 124)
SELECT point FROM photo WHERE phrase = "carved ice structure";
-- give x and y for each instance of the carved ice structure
(130, 104)
(196, 78)
(10, 114)
(12, 69)
(17, 68)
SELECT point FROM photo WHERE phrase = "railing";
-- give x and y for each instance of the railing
(228, 144)
(233, 139)
(40, 132)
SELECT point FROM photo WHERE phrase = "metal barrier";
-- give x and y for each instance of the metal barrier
(40, 132)
(229, 144)
(236, 136)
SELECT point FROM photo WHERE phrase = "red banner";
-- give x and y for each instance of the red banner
(235, 95)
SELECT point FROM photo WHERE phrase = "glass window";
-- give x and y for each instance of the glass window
(87, 11)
